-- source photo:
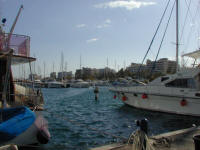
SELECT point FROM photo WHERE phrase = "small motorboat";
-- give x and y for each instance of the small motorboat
(21, 126)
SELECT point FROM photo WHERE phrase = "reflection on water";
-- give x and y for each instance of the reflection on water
(105, 115)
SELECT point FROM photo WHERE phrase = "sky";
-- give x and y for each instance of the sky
(103, 32)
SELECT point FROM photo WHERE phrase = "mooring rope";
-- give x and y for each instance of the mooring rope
(140, 141)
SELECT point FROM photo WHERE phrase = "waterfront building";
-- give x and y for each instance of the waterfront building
(163, 66)
(85, 73)
(53, 75)
(35, 77)
(64, 75)
(92, 73)
(134, 68)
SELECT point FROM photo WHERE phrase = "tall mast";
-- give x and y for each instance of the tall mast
(53, 66)
(81, 65)
(177, 35)
(62, 61)
(80, 62)
(8, 65)
(44, 69)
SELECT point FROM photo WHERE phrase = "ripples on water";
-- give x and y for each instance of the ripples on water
(106, 114)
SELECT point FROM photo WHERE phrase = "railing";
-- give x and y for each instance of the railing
(19, 43)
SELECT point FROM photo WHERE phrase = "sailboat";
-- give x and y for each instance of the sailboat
(19, 125)
(178, 93)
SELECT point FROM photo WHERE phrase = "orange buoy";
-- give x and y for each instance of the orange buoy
(183, 102)
(144, 96)
(124, 98)
(114, 96)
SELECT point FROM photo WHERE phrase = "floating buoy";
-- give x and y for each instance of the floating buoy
(114, 96)
(144, 96)
(124, 98)
(183, 102)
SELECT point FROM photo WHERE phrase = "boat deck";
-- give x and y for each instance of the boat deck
(176, 140)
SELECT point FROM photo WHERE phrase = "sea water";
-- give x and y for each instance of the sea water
(78, 122)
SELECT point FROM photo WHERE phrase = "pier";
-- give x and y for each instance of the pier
(176, 140)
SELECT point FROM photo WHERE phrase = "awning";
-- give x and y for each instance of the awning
(21, 59)
(17, 59)
(194, 55)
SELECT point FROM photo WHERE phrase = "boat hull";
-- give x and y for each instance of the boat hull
(80, 85)
(35, 134)
(169, 103)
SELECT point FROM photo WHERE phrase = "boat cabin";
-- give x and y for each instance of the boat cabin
(184, 78)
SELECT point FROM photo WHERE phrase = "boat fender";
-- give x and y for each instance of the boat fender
(144, 96)
(114, 96)
(42, 137)
(124, 98)
(183, 102)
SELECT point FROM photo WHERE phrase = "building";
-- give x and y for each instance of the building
(105, 72)
(134, 68)
(65, 75)
(163, 66)
(34, 77)
(53, 75)
(93, 73)
(85, 73)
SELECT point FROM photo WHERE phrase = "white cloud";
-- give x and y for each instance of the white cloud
(81, 25)
(92, 40)
(106, 23)
(192, 24)
(128, 4)
(102, 26)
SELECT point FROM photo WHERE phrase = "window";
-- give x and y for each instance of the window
(164, 78)
(182, 83)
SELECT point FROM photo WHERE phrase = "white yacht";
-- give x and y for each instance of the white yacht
(55, 84)
(178, 93)
(80, 84)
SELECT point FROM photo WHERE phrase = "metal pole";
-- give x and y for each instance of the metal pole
(13, 26)
(177, 36)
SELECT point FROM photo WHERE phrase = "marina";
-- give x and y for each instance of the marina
(100, 106)
(77, 121)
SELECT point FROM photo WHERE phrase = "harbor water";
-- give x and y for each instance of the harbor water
(78, 122)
